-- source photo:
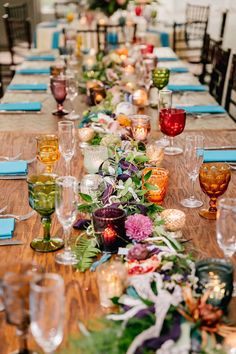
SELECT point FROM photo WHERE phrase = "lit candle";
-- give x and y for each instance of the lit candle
(111, 280)
(140, 127)
(140, 98)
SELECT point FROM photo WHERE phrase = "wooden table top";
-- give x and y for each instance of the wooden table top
(82, 302)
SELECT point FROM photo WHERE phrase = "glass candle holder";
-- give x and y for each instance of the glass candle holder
(85, 135)
(140, 98)
(97, 94)
(159, 180)
(57, 69)
(93, 185)
(140, 127)
(155, 153)
(109, 227)
(174, 221)
(216, 276)
(111, 280)
(94, 156)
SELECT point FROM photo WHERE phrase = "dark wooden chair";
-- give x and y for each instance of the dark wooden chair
(208, 52)
(230, 102)
(19, 12)
(1, 82)
(89, 37)
(111, 36)
(219, 70)
(188, 36)
(6, 75)
(61, 8)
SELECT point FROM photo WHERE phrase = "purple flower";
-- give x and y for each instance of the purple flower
(138, 252)
(138, 227)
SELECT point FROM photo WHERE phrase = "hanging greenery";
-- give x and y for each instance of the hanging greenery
(108, 6)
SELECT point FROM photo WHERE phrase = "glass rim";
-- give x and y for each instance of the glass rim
(161, 69)
(46, 136)
(165, 91)
(227, 203)
(135, 117)
(221, 262)
(49, 183)
(109, 218)
(62, 180)
(173, 111)
(156, 170)
(59, 282)
(66, 122)
(210, 164)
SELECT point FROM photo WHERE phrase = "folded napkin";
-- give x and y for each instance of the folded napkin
(219, 156)
(6, 228)
(34, 71)
(52, 24)
(187, 88)
(203, 109)
(21, 106)
(45, 57)
(30, 87)
(167, 58)
(179, 70)
(13, 168)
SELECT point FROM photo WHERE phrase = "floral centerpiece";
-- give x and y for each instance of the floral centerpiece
(108, 6)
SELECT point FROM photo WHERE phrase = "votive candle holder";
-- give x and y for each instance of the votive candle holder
(158, 181)
(140, 127)
(94, 156)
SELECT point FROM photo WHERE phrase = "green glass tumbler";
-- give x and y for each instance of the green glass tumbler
(42, 199)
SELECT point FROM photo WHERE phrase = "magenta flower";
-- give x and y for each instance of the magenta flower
(138, 227)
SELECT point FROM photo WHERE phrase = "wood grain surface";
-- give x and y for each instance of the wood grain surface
(82, 302)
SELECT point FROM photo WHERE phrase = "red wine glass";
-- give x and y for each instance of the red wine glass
(172, 123)
(59, 91)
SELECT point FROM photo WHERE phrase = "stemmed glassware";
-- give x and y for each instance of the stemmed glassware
(66, 202)
(42, 199)
(193, 154)
(226, 228)
(72, 93)
(164, 101)
(47, 304)
(172, 123)
(48, 150)
(15, 284)
(66, 133)
(59, 91)
(160, 77)
(214, 178)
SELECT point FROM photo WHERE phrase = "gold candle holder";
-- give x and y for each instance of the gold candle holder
(140, 99)
(97, 94)
(85, 135)
(111, 280)
(174, 221)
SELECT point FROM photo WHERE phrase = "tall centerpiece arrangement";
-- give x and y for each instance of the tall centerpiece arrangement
(108, 7)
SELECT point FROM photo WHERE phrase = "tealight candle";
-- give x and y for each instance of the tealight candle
(111, 280)
(140, 127)
(94, 157)
(174, 221)
(216, 276)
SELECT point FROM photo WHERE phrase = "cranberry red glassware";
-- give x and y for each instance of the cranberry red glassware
(109, 227)
(172, 123)
(58, 86)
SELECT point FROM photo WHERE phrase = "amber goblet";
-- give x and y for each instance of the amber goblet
(155, 181)
(48, 150)
(214, 179)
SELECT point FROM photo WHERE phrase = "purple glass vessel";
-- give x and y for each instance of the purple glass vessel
(59, 91)
(109, 226)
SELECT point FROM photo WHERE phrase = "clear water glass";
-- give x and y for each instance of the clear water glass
(66, 203)
(193, 155)
(66, 134)
(47, 304)
(94, 156)
(165, 101)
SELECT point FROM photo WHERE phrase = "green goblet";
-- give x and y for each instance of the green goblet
(42, 199)
(160, 77)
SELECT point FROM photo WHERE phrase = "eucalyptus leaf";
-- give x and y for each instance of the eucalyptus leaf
(147, 176)
(87, 198)
(151, 187)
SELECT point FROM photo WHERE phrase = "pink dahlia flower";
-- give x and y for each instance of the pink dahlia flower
(138, 227)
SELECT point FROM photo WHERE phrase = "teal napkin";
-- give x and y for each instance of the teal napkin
(30, 87)
(34, 71)
(46, 57)
(52, 24)
(179, 70)
(203, 109)
(13, 168)
(187, 88)
(168, 58)
(21, 106)
(6, 228)
(219, 156)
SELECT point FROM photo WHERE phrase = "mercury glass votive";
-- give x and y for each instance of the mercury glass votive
(85, 135)
(158, 180)
(174, 221)
(140, 127)
(97, 94)
(94, 156)
(93, 185)
(155, 153)
(216, 276)
(109, 227)
(111, 280)
(140, 98)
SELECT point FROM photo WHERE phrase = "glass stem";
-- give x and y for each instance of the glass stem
(60, 107)
(192, 195)
(171, 141)
(67, 246)
(46, 222)
(67, 161)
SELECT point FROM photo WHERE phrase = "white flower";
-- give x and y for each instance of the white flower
(167, 266)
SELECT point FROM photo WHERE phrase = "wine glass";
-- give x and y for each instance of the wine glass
(66, 202)
(48, 150)
(193, 154)
(164, 101)
(72, 93)
(58, 88)
(160, 77)
(42, 199)
(66, 132)
(172, 123)
(226, 228)
(214, 179)
(47, 304)
(15, 285)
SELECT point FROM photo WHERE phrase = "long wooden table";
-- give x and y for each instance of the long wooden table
(82, 302)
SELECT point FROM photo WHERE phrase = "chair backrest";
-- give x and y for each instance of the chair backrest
(197, 13)
(208, 52)
(219, 70)
(87, 38)
(230, 103)
(1, 82)
(62, 7)
(111, 36)
(19, 12)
